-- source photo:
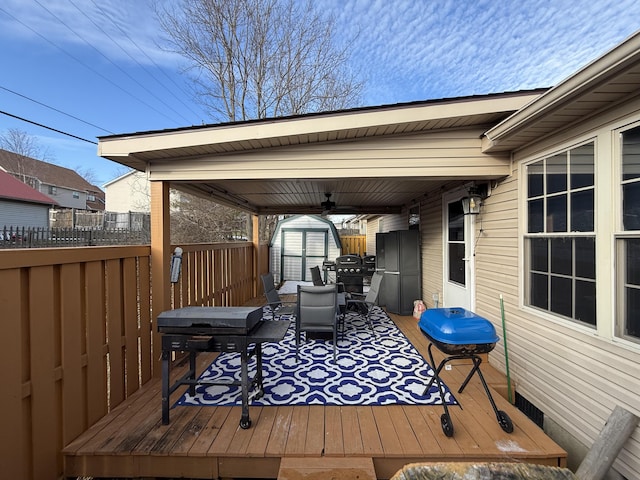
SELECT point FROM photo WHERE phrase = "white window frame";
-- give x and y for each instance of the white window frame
(619, 236)
(525, 235)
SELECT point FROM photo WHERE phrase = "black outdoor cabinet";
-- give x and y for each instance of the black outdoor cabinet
(398, 258)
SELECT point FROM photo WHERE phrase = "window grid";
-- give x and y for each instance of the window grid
(560, 239)
(628, 243)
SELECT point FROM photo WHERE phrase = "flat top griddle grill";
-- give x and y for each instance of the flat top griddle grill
(210, 320)
(216, 329)
(460, 334)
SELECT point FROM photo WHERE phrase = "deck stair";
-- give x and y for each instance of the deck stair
(327, 468)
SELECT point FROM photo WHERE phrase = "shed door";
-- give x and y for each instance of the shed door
(301, 250)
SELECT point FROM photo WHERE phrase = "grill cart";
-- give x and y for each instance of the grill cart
(460, 334)
(216, 329)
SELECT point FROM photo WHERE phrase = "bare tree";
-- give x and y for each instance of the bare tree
(196, 220)
(20, 142)
(252, 59)
(261, 58)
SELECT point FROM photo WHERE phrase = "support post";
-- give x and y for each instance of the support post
(257, 261)
(160, 260)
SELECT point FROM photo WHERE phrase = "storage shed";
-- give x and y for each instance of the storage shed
(299, 243)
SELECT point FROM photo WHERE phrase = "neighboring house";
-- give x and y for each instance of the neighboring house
(96, 200)
(557, 235)
(21, 205)
(64, 185)
(128, 193)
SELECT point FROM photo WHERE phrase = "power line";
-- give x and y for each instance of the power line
(112, 62)
(141, 50)
(85, 65)
(47, 127)
(56, 110)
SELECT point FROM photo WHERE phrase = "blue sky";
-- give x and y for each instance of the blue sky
(99, 60)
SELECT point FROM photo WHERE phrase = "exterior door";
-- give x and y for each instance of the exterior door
(301, 250)
(459, 273)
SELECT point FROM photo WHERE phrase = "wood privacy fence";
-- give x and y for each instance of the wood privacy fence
(76, 337)
(356, 244)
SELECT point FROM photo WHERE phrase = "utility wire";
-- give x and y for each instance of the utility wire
(107, 79)
(48, 128)
(143, 52)
(112, 62)
(131, 57)
(56, 110)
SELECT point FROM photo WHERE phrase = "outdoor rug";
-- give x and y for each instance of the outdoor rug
(382, 370)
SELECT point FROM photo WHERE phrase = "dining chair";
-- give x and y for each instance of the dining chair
(278, 306)
(317, 311)
(363, 303)
(316, 278)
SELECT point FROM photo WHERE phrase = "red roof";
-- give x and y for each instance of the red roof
(13, 189)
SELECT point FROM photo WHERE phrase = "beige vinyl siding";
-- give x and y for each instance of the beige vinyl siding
(396, 222)
(372, 229)
(575, 374)
(129, 193)
(454, 153)
(431, 233)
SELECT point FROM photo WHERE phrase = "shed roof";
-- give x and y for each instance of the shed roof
(328, 224)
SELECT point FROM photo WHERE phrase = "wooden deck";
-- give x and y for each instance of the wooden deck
(206, 442)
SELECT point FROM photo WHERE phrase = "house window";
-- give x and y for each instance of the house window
(53, 190)
(76, 195)
(91, 197)
(560, 240)
(628, 241)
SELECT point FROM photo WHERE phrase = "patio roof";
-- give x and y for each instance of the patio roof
(372, 160)
(375, 159)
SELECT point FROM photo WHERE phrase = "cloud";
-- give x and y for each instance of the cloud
(421, 50)
(116, 28)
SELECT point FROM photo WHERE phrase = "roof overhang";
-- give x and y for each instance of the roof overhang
(608, 81)
(373, 160)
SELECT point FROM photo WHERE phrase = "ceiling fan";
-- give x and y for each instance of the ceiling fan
(327, 205)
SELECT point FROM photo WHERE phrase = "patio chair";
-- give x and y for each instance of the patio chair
(316, 278)
(278, 306)
(363, 303)
(317, 311)
(342, 302)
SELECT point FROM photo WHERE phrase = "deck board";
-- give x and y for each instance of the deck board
(206, 442)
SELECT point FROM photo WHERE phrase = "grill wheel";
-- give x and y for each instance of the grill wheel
(447, 425)
(504, 421)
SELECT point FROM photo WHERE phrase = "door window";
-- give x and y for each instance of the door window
(456, 244)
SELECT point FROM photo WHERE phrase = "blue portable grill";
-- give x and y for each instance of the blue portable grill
(460, 334)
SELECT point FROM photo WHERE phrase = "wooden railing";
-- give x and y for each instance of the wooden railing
(215, 275)
(76, 337)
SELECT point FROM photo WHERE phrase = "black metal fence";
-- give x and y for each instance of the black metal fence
(24, 237)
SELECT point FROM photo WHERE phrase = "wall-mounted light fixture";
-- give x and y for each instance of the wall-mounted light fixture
(471, 203)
